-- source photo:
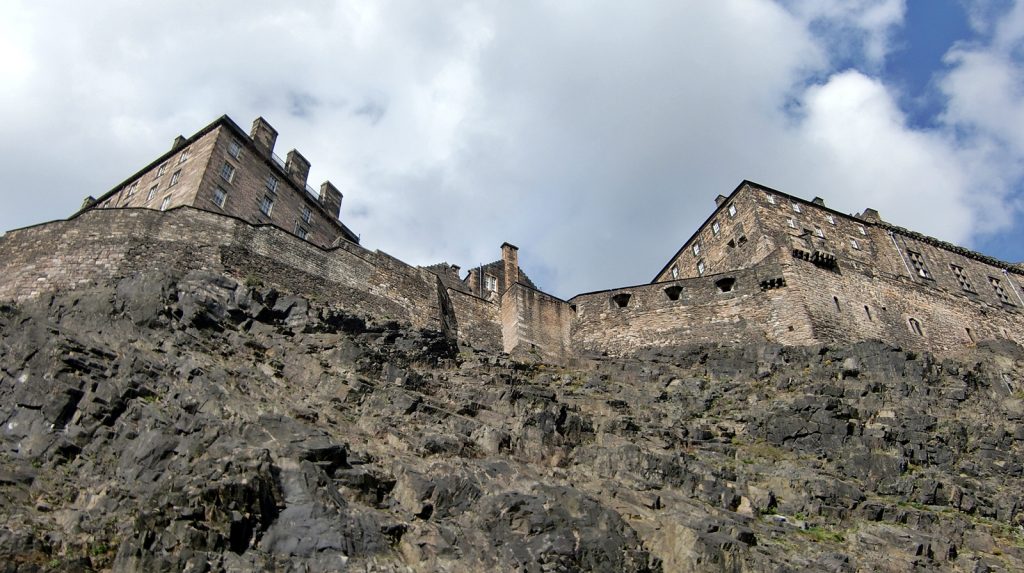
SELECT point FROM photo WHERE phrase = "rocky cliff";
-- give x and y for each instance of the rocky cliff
(192, 423)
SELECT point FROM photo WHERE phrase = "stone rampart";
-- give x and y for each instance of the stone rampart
(743, 305)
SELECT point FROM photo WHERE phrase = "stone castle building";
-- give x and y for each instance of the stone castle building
(765, 265)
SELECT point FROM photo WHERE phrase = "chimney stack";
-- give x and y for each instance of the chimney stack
(298, 167)
(330, 198)
(510, 258)
(870, 215)
(263, 136)
(178, 142)
(818, 201)
(719, 200)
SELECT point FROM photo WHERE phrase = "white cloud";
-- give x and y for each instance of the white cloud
(594, 136)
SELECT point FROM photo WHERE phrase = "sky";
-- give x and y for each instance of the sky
(593, 134)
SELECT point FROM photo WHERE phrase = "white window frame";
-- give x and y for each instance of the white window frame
(862, 230)
(162, 169)
(791, 222)
(675, 271)
(184, 156)
(490, 283)
(700, 267)
(165, 203)
(227, 172)
(130, 190)
(235, 149)
(771, 198)
(796, 208)
(855, 244)
(831, 220)
(715, 227)
(696, 249)
(152, 192)
(175, 177)
(819, 232)
(223, 193)
(267, 205)
(732, 210)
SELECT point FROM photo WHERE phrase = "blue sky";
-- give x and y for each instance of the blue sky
(592, 134)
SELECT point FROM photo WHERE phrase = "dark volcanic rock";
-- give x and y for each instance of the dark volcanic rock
(192, 423)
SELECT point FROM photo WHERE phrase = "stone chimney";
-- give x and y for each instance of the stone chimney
(263, 136)
(298, 167)
(870, 215)
(178, 142)
(720, 199)
(818, 201)
(87, 203)
(510, 258)
(330, 198)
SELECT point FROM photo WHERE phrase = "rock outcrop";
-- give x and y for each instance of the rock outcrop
(193, 423)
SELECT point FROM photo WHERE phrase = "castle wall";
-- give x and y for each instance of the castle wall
(105, 244)
(477, 320)
(756, 306)
(851, 305)
(534, 322)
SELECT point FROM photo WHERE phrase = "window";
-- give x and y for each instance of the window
(163, 169)
(307, 215)
(301, 231)
(220, 196)
(819, 232)
(835, 299)
(715, 227)
(183, 157)
(621, 300)
(1000, 292)
(771, 198)
(490, 283)
(732, 210)
(791, 222)
(675, 271)
(227, 172)
(272, 183)
(915, 326)
(700, 267)
(831, 220)
(867, 312)
(175, 177)
(696, 249)
(862, 230)
(152, 192)
(917, 261)
(235, 149)
(855, 244)
(673, 292)
(961, 277)
(131, 188)
(796, 208)
(266, 205)
(165, 203)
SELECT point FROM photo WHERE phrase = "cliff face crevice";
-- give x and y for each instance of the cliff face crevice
(189, 422)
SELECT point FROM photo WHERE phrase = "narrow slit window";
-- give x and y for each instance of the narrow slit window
(915, 326)
(835, 300)
(867, 313)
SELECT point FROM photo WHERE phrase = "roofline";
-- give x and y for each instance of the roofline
(246, 140)
(992, 261)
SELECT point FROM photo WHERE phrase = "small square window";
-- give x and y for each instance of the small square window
(267, 205)
(861, 229)
(700, 267)
(715, 227)
(220, 196)
(163, 169)
(152, 192)
(307, 215)
(301, 231)
(272, 183)
(175, 177)
(831, 220)
(235, 149)
(165, 203)
(184, 156)
(696, 249)
(732, 210)
(819, 232)
(791, 222)
(855, 244)
(675, 271)
(771, 198)
(227, 172)
(796, 208)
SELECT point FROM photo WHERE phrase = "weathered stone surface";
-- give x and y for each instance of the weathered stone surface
(191, 422)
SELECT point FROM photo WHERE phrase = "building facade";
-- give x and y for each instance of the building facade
(224, 170)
